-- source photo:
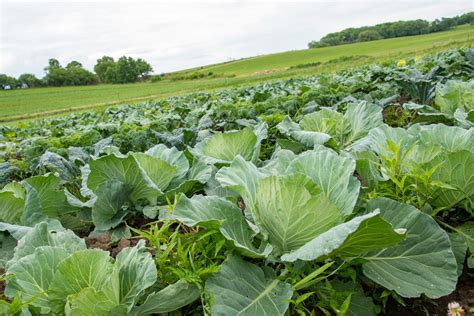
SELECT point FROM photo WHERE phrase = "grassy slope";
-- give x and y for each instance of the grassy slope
(380, 48)
(24, 104)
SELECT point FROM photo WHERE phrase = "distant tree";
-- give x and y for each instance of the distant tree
(143, 68)
(52, 64)
(126, 70)
(111, 74)
(102, 66)
(72, 75)
(313, 44)
(78, 76)
(30, 80)
(7, 82)
(369, 35)
(390, 30)
(466, 18)
(55, 73)
(74, 64)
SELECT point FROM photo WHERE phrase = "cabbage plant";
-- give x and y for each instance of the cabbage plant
(434, 160)
(453, 104)
(222, 148)
(333, 129)
(53, 270)
(118, 184)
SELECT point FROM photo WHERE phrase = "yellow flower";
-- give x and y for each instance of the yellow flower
(401, 63)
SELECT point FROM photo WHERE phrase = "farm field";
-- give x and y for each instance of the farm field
(344, 193)
(27, 104)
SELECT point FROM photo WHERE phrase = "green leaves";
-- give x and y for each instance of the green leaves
(333, 128)
(224, 147)
(34, 273)
(169, 299)
(299, 215)
(349, 240)
(107, 210)
(213, 212)
(453, 180)
(84, 269)
(59, 275)
(427, 164)
(255, 292)
(159, 171)
(307, 138)
(333, 174)
(125, 170)
(423, 263)
(121, 183)
(36, 259)
(455, 99)
(292, 211)
(35, 199)
(137, 272)
(302, 210)
(467, 232)
(11, 203)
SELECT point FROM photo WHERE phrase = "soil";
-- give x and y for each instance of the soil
(464, 295)
(103, 242)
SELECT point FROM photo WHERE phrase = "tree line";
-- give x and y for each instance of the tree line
(391, 30)
(107, 70)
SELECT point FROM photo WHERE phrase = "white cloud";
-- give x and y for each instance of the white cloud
(182, 34)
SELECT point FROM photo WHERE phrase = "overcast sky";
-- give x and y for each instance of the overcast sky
(174, 35)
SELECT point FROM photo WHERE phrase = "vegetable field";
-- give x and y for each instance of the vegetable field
(342, 194)
(23, 104)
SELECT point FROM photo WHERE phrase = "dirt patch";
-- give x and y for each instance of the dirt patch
(103, 242)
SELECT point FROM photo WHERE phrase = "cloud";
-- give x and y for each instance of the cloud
(181, 34)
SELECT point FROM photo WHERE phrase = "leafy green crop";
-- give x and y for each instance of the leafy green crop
(331, 194)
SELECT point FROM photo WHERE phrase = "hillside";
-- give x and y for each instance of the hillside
(374, 49)
(27, 104)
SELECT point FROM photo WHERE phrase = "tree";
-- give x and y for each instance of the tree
(124, 70)
(7, 82)
(143, 68)
(74, 64)
(390, 30)
(111, 74)
(102, 66)
(52, 64)
(30, 80)
(72, 75)
(369, 35)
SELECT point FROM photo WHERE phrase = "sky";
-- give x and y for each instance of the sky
(175, 35)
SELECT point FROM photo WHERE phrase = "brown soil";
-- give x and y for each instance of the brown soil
(103, 242)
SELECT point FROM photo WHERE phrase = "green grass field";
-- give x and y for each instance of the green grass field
(19, 104)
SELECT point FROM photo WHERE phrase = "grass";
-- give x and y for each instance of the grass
(19, 104)
(380, 48)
